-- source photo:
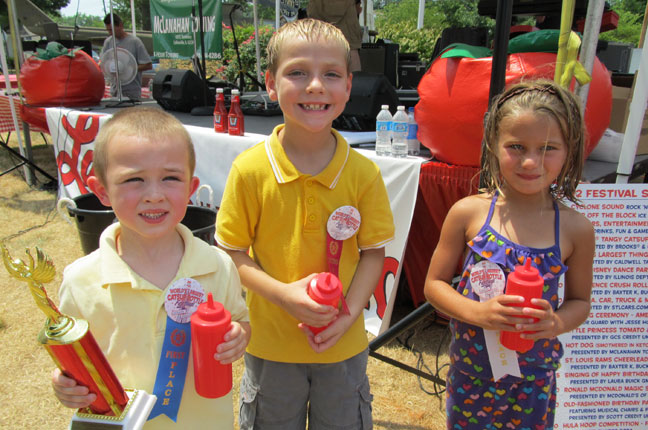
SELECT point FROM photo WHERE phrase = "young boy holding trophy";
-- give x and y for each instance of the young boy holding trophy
(137, 290)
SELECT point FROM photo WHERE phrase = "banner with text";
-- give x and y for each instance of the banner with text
(603, 381)
(176, 29)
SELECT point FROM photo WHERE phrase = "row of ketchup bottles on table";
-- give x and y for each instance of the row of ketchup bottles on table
(231, 122)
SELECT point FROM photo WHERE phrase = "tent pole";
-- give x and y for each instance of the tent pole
(257, 43)
(635, 118)
(132, 4)
(277, 14)
(26, 150)
(421, 14)
(588, 48)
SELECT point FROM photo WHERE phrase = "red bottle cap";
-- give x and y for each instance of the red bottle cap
(325, 288)
(211, 310)
(526, 275)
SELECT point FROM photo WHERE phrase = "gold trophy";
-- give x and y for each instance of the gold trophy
(74, 350)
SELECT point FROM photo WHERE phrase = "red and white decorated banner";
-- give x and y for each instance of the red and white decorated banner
(603, 381)
(73, 133)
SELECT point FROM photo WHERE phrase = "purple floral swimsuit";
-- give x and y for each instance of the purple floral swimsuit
(474, 400)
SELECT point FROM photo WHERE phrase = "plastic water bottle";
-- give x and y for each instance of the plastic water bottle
(413, 145)
(525, 281)
(399, 133)
(383, 131)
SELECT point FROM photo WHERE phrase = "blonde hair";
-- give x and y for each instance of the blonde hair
(146, 122)
(546, 98)
(310, 30)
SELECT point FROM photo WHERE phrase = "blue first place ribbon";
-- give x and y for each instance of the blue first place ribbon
(172, 369)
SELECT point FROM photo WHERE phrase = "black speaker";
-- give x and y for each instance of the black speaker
(178, 90)
(381, 57)
(368, 92)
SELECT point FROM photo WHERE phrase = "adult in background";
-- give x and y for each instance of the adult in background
(132, 44)
(344, 15)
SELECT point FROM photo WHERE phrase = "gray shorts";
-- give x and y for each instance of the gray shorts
(279, 396)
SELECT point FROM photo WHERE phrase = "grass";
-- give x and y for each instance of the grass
(28, 218)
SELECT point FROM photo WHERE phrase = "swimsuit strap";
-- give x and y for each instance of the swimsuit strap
(492, 208)
(557, 224)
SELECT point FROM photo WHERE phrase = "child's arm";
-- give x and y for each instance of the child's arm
(292, 297)
(493, 314)
(362, 286)
(69, 393)
(236, 340)
(579, 258)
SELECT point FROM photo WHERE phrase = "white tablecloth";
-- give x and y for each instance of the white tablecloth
(73, 135)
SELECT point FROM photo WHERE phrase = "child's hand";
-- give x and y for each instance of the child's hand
(296, 302)
(69, 393)
(545, 327)
(498, 314)
(328, 337)
(236, 340)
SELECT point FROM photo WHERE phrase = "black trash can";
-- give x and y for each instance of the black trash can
(202, 222)
(92, 218)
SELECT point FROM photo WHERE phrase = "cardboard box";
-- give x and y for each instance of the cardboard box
(621, 98)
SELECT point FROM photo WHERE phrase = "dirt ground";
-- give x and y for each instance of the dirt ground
(28, 218)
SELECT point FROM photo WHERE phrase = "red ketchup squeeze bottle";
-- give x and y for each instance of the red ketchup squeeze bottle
(209, 324)
(325, 289)
(525, 281)
(220, 112)
(236, 126)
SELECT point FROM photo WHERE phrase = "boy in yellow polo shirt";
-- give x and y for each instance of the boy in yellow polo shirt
(304, 202)
(143, 164)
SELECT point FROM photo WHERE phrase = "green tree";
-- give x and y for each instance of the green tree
(142, 13)
(631, 16)
(82, 20)
(396, 20)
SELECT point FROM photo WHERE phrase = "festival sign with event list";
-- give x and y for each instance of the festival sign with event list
(603, 381)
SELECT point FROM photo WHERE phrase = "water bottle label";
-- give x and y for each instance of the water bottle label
(400, 127)
(412, 131)
(382, 125)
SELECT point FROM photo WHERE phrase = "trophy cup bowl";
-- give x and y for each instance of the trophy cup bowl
(74, 350)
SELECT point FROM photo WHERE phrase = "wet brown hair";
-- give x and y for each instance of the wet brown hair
(546, 98)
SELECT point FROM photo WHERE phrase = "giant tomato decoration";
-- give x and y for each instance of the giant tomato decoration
(454, 98)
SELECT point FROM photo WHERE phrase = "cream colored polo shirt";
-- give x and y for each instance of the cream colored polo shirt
(127, 318)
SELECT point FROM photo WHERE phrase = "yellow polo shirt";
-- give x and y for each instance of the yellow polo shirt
(280, 214)
(127, 318)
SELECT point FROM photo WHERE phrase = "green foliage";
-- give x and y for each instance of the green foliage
(631, 15)
(142, 13)
(397, 21)
(635, 6)
(228, 68)
(410, 39)
(82, 20)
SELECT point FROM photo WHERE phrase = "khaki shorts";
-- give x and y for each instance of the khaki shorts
(280, 396)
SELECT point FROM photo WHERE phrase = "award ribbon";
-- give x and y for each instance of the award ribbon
(488, 281)
(180, 302)
(343, 223)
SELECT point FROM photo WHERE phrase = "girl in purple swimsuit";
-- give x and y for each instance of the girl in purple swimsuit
(535, 143)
